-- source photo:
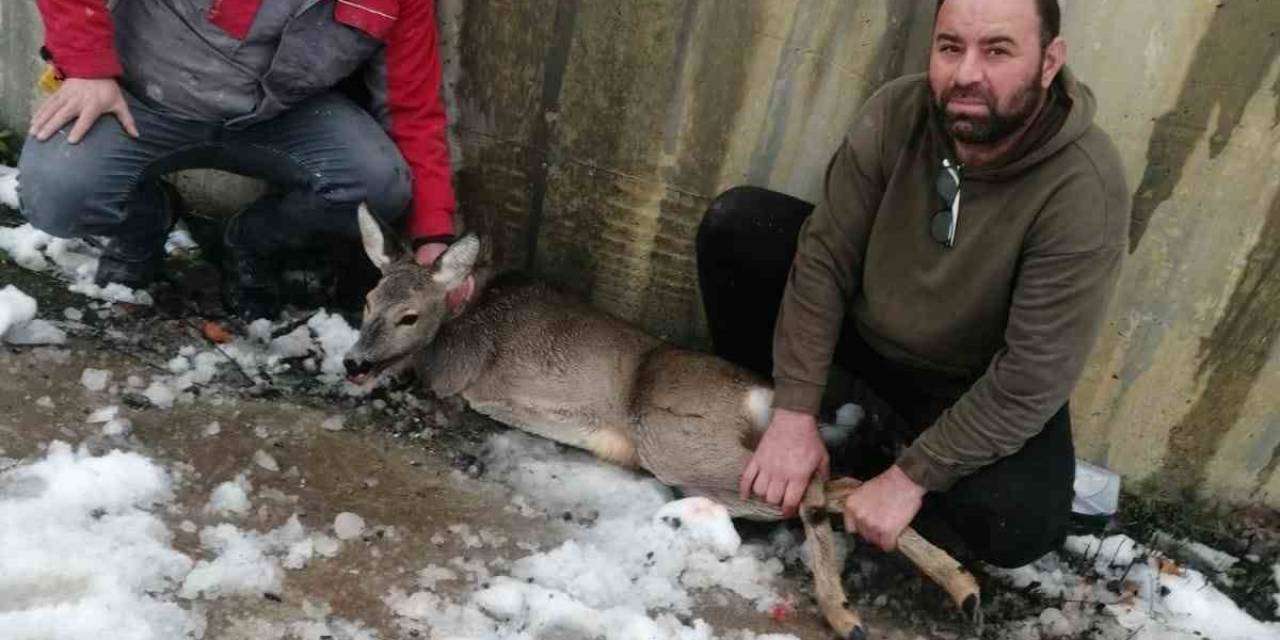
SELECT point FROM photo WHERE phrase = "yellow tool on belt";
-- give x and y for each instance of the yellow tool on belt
(49, 80)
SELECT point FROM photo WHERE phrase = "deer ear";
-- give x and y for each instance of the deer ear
(456, 263)
(381, 249)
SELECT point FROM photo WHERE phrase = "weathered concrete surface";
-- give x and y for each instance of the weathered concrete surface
(1184, 389)
(589, 136)
(593, 134)
(406, 491)
(20, 64)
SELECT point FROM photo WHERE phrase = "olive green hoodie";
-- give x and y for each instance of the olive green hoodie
(1016, 304)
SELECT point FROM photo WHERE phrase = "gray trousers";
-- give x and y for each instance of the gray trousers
(321, 159)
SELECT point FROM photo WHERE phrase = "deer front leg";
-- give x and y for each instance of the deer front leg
(826, 567)
(944, 570)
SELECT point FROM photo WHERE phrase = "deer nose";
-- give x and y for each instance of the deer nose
(356, 367)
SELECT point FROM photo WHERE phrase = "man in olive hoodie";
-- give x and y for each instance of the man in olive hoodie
(969, 235)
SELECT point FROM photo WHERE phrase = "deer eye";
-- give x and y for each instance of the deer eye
(407, 320)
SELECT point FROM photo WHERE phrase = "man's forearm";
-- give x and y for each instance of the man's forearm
(809, 322)
(823, 278)
(1059, 307)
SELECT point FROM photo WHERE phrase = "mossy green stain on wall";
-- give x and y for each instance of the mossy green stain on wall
(1232, 360)
(1230, 65)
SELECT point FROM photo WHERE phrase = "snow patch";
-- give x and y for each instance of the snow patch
(95, 379)
(180, 241)
(1157, 598)
(105, 414)
(73, 260)
(348, 526)
(335, 338)
(9, 187)
(259, 357)
(117, 427)
(231, 497)
(333, 423)
(18, 323)
(265, 460)
(160, 395)
(84, 554)
(246, 562)
(628, 570)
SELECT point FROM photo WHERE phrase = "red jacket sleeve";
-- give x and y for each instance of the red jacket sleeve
(79, 35)
(418, 120)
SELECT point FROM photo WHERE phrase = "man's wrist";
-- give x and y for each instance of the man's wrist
(796, 396)
(446, 238)
(794, 420)
(900, 479)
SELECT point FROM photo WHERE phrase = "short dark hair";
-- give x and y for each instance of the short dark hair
(1050, 19)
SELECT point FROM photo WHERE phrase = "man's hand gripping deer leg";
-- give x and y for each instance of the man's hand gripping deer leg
(943, 569)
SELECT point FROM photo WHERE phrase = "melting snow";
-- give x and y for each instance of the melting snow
(629, 569)
(84, 555)
(18, 322)
(231, 497)
(1157, 598)
(9, 187)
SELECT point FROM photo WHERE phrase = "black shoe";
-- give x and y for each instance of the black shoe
(130, 265)
(138, 262)
(253, 275)
(258, 302)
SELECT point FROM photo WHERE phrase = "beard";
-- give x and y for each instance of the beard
(997, 124)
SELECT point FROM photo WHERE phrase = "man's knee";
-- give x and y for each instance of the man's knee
(1016, 540)
(56, 194)
(1013, 527)
(388, 181)
(751, 214)
(727, 213)
(384, 184)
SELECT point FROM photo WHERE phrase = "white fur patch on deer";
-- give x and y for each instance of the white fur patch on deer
(613, 446)
(758, 406)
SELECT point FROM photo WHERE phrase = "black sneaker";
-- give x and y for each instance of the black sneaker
(136, 263)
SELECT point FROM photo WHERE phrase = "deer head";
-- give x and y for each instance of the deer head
(410, 303)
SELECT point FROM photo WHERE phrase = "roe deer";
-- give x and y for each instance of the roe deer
(542, 362)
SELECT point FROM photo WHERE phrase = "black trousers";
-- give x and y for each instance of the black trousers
(1008, 514)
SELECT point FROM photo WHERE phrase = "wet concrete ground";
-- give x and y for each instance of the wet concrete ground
(407, 489)
(394, 465)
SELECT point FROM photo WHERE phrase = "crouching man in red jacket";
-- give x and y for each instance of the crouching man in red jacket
(245, 86)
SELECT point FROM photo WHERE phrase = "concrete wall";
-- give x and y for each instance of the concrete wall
(589, 136)
(20, 39)
(593, 133)
(1185, 385)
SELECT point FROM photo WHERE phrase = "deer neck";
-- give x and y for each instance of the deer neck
(462, 346)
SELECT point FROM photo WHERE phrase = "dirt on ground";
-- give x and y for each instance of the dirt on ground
(406, 465)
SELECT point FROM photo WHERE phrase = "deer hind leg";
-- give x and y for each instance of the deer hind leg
(828, 586)
(935, 563)
(821, 546)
